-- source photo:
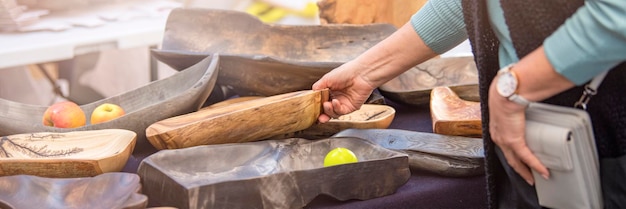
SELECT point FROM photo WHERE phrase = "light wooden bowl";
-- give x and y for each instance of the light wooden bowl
(181, 93)
(452, 115)
(413, 87)
(105, 191)
(69, 154)
(440, 154)
(240, 122)
(269, 174)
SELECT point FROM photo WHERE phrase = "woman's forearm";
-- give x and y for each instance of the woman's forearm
(391, 57)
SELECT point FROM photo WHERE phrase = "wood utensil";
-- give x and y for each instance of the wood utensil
(452, 115)
(241, 122)
(413, 86)
(65, 155)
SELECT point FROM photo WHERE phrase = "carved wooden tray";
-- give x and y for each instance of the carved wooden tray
(178, 94)
(105, 191)
(230, 32)
(441, 154)
(413, 86)
(269, 174)
(240, 122)
(369, 116)
(70, 154)
(452, 115)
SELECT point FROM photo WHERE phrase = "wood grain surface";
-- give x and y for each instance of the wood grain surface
(395, 12)
(452, 115)
(241, 122)
(64, 155)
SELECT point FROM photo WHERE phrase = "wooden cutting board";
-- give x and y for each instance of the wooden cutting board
(240, 122)
(452, 115)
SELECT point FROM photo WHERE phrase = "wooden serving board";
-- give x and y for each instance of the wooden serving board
(105, 191)
(241, 122)
(441, 154)
(413, 86)
(64, 155)
(452, 115)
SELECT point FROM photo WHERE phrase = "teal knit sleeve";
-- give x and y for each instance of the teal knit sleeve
(440, 24)
(591, 41)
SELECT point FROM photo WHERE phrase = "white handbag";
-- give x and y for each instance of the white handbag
(562, 139)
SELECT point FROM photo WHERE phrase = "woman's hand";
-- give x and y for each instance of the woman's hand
(348, 90)
(507, 125)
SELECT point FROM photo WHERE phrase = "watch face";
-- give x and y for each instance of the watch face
(507, 84)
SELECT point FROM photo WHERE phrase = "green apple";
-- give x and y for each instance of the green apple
(340, 156)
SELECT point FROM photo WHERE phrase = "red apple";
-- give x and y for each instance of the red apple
(64, 115)
(106, 112)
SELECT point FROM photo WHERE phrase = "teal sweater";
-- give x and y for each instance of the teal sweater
(591, 41)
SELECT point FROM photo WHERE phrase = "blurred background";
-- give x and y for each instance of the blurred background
(86, 50)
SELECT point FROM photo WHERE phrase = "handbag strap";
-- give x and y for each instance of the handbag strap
(590, 89)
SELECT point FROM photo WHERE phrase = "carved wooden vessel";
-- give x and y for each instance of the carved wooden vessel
(70, 154)
(440, 154)
(181, 93)
(105, 191)
(269, 174)
(241, 122)
(228, 32)
(452, 115)
(413, 86)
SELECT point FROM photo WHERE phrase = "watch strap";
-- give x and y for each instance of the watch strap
(519, 100)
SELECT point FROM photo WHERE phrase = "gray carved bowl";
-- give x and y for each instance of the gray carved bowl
(285, 173)
(208, 31)
(413, 87)
(181, 93)
(105, 191)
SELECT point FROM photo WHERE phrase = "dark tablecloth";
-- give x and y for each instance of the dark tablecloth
(423, 190)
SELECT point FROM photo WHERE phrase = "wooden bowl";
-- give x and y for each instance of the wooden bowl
(69, 154)
(452, 115)
(105, 191)
(181, 93)
(230, 32)
(441, 154)
(413, 87)
(269, 174)
(240, 122)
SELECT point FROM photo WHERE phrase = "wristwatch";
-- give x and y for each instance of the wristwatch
(507, 85)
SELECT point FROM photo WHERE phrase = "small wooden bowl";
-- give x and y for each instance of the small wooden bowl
(240, 122)
(64, 155)
(105, 191)
(413, 87)
(452, 115)
(269, 174)
(181, 93)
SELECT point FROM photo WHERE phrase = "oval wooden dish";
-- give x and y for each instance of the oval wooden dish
(105, 191)
(180, 93)
(452, 115)
(69, 154)
(278, 174)
(230, 32)
(413, 87)
(240, 122)
(440, 154)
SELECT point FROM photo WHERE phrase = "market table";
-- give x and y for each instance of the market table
(423, 189)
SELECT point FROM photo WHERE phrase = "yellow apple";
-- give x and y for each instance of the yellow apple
(65, 114)
(339, 156)
(106, 112)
